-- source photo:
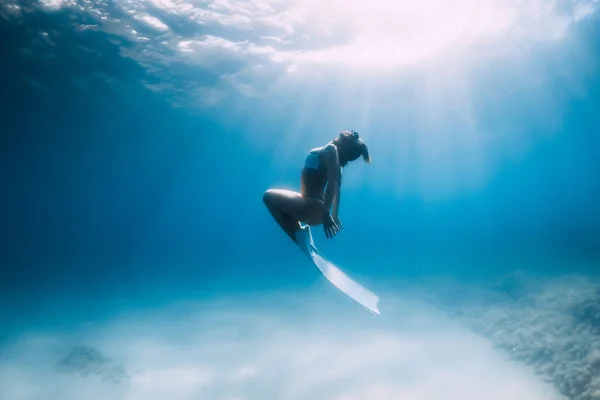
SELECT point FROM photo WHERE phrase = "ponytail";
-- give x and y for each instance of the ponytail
(366, 155)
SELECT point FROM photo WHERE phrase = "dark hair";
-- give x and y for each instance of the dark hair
(350, 147)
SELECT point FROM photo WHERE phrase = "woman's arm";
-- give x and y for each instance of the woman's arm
(333, 178)
(336, 200)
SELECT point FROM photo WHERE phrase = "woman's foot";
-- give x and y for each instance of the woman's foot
(304, 239)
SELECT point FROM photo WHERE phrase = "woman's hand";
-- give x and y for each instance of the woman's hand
(337, 221)
(331, 225)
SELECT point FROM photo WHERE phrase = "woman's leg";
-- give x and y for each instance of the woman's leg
(290, 208)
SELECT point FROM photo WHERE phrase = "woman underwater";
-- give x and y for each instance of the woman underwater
(319, 198)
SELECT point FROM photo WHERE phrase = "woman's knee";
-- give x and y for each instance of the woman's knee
(269, 197)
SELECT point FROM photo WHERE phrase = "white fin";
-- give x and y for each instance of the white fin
(344, 283)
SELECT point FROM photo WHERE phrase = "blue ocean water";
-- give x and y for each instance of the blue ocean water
(137, 142)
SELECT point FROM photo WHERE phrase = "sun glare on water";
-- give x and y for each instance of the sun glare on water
(384, 33)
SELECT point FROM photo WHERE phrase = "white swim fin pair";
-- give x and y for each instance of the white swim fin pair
(335, 275)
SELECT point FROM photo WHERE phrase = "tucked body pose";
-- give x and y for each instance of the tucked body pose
(319, 198)
(318, 203)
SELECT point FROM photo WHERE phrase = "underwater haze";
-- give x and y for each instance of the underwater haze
(138, 261)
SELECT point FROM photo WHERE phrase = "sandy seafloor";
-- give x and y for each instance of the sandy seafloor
(520, 337)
